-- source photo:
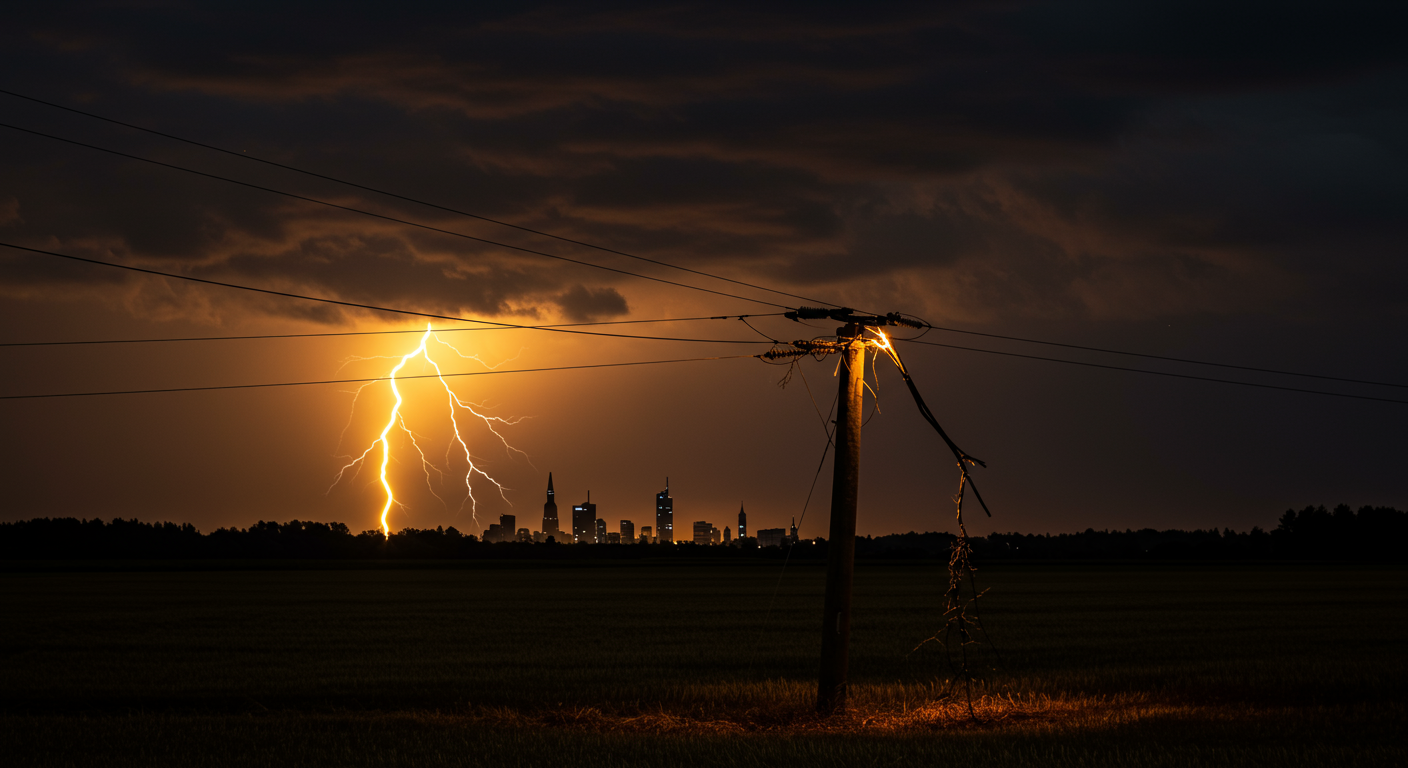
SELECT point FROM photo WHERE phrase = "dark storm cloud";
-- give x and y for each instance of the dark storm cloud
(1109, 158)
(1213, 45)
(1199, 180)
(383, 269)
(582, 304)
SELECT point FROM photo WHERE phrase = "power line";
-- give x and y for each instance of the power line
(356, 305)
(847, 315)
(1158, 373)
(384, 217)
(314, 174)
(370, 333)
(829, 427)
(656, 338)
(586, 244)
(659, 362)
(365, 381)
(1169, 359)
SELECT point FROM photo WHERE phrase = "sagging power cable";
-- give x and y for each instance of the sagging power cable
(549, 326)
(357, 305)
(1150, 357)
(1167, 373)
(406, 198)
(384, 217)
(963, 458)
(167, 390)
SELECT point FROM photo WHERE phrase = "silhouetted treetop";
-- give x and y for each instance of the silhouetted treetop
(1370, 534)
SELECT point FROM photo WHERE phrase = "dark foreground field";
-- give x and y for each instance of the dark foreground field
(684, 664)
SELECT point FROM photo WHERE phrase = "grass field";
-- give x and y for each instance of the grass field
(685, 664)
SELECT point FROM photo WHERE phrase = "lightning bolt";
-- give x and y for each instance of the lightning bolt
(395, 420)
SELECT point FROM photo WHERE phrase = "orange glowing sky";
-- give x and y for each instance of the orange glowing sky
(1166, 188)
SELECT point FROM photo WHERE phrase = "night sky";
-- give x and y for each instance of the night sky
(1214, 181)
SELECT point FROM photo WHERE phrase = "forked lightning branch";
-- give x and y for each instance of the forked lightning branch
(396, 422)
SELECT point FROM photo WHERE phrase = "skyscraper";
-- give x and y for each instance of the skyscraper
(701, 532)
(665, 515)
(628, 532)
(601, 531)
(584, 522)
(550, 511)
(727, 537)
(742, 517)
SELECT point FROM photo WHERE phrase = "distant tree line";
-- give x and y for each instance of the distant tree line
(1314, 533)
(73, 539)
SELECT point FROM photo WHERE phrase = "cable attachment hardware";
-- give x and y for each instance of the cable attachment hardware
(848, 315)
(813, 313)
(896, 318)
(823, 346)
(777, 353)
(817, 348)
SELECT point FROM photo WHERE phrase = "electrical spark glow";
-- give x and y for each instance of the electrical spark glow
(395, 419)
(882, 343)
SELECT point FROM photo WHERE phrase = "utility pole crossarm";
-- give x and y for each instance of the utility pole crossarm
(850, 317)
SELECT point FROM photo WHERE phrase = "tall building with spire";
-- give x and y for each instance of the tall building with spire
(550, 512)
(742, 519)
(665, 516)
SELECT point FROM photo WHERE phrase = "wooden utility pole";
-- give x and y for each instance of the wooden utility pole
(845, 481)
(841, 548)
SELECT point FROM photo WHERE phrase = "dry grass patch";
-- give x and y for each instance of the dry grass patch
(867, 715)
